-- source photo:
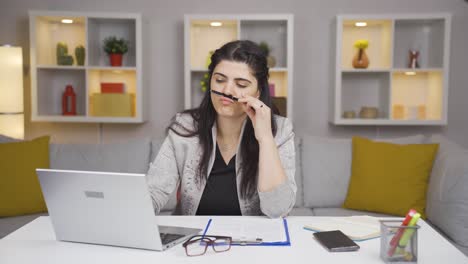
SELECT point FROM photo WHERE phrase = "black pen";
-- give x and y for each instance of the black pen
(225, 95)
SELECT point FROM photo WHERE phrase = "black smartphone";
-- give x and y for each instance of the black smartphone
(336, 241)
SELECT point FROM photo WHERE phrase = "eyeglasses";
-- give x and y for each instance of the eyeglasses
(197, 245)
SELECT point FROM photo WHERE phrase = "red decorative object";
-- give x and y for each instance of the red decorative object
(115, 59)
(112, 88)
(271, 87)
(69, 101)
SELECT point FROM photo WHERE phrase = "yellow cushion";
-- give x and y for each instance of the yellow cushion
(20, 192)
(389, 178)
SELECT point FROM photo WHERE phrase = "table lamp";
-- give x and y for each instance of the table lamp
(11, 92)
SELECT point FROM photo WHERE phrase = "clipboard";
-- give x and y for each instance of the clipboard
(258, 241)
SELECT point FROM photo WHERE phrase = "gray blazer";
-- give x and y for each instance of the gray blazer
(177, 163)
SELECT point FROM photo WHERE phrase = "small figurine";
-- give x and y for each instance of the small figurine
(413, 59)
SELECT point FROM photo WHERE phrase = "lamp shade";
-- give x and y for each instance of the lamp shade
(11, 92)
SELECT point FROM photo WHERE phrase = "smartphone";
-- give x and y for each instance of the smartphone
(336, 241)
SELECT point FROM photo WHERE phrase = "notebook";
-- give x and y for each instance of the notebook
(358, 228)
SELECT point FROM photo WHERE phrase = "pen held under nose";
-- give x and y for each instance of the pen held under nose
(225, 95)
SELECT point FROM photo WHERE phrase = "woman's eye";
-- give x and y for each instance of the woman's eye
(219, 80)
(241, 85)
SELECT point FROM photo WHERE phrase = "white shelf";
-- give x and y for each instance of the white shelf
(403, 95)
(423, 89)
(49, 30)
(199, 70)
(112, 68)
(275, 69)
(364, 70)
(84, 119)
(387, 122)
(200, 38)
(424, 35)
(273, 32)
(366, 89)
(101, 28)
(206, 38)
(378, 32)
(278, 69)
(60, 67)
(48, 80)
(417, 70)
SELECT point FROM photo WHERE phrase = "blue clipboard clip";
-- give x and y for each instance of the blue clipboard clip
(258, 241)
(246, 242)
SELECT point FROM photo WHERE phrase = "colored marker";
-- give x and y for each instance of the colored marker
(397, 236)
(408, 232)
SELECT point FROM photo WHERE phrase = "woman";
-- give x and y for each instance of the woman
(230, 155)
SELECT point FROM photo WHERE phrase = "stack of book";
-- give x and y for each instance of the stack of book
(113, 101)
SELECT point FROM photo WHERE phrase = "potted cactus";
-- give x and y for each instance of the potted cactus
(80, 55)
(115, 48)
(62, 54)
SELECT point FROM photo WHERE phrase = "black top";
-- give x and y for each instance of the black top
(220, 194)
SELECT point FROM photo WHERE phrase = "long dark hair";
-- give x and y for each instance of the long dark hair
(204, 116)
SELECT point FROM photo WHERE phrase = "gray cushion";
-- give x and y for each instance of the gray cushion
(447, 196)
(301, 211)
(326, 164)
(132, 156)
(344, 212)
(6, 139)
(10, 224)
(326, 168)
(298, 176)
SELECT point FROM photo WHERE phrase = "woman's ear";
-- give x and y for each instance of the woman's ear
(257, 94)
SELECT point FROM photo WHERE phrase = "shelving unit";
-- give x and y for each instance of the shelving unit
(403, 95)
(201, 38)
(48, 79)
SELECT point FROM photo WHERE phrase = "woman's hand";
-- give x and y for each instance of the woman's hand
(260, 115)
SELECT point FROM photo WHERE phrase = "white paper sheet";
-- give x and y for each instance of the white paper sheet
(269, 230)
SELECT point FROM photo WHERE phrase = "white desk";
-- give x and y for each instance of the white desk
(35, 243)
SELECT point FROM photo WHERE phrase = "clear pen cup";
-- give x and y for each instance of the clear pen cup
(398, 244)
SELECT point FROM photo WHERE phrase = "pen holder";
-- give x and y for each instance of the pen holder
(398, 244)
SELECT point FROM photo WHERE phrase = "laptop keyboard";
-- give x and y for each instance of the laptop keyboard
(167, 238)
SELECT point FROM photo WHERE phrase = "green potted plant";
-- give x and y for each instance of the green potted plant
(115, 48)
(271, 61)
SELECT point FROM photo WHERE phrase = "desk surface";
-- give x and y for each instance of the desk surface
(35, 243)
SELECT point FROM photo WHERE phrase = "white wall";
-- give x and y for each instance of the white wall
(313, 44)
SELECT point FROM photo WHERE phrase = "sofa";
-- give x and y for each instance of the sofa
(323, 168)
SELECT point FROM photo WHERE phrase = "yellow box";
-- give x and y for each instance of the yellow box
(112, 104)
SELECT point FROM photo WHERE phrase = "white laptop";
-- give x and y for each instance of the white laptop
(106, 208)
